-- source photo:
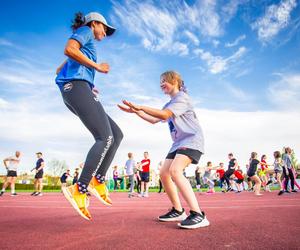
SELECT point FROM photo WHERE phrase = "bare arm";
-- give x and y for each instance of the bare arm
(147, 117)
(72, 50)
(156, 113)
(141, 114)
(5, 162)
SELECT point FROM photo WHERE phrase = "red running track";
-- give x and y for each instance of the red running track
(238, 221)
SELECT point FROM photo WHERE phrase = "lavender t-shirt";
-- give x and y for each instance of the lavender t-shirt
(184, 126)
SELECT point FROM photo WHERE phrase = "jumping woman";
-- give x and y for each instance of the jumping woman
(187, 148)
(75, 78)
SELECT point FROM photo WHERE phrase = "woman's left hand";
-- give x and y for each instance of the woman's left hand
(131, 105)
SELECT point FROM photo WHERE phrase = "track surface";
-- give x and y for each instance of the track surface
(238, 221)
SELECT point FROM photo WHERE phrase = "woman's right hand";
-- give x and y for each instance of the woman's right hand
(102, 67)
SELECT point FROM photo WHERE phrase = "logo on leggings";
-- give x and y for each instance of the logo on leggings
(96, 98)
(68, 87)
(107, 146)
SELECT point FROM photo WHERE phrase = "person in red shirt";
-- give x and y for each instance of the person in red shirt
(145, 175)
(240, 179)
(220, 174)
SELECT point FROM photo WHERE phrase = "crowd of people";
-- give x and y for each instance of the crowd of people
(259, 174)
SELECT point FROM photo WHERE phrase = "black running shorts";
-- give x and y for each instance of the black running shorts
(12, 173)
(39, 174)
(193, 154)
(145, 176)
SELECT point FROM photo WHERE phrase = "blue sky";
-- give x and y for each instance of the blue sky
(239, 59)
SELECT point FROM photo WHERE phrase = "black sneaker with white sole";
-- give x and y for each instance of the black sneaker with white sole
(13, 194)
(1, 193)
(173, 215)
(194, 220)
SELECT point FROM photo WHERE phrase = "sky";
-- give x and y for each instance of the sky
(239, 60)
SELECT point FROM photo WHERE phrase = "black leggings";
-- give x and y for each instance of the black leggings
(138, 185)
(289, 176)
(116, 182)
(227, 175)
(79, 98)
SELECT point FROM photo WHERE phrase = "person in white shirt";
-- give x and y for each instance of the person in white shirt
(11, 164)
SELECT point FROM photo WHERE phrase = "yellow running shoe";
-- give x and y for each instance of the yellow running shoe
(100, 191)
(78, 200)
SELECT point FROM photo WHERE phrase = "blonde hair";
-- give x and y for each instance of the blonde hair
(174, 78)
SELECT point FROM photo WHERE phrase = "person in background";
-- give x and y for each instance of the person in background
(288, 170)
(138, 178)
(117, 178)
(220, 174)
(238, 173)
(64, 177)
(11, 164)
(145, 175)
(129, 168)
(232, 166)
(75, 176)
(278, 169)
(38, 178)
(197, 177)
(252, 173)
(207, 178)
(159, 180)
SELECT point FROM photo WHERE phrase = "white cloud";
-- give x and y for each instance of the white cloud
(15, 78)
(276, 18)
(4, 42)
(285, 93)
(229, 9)
(237, 93)
(3, 104)
(236, 41)
(160, 27)
(215, 43)
(218, 64)
(192, 37)
(204, 17)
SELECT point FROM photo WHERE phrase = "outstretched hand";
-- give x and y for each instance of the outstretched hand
(129, 107)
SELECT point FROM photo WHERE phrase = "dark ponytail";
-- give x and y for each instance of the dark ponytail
(78, 21)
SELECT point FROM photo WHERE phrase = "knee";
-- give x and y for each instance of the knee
(175, 173)
(164, 174)
(118, 137)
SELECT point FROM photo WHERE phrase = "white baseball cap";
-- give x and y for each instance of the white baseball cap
(95, 16)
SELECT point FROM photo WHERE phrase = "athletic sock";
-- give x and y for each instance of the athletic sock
(12, 190)
(3, 190)
(82, 188)
(100, 178)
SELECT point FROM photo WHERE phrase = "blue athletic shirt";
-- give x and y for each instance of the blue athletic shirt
(73, 70)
